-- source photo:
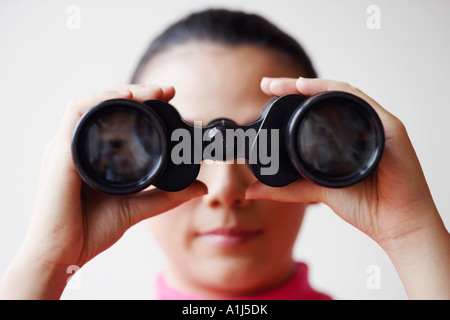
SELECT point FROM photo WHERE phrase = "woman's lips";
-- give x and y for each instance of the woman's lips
(229, 237)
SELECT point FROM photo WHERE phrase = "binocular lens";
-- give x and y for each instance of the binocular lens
(119, 148)
(339, 141)
(335, 140)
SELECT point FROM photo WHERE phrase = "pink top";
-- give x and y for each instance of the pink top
(296, 288)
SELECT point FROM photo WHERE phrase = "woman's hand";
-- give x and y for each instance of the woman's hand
(72, 223)
(393, 206)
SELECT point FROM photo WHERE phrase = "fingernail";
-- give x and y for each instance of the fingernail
(265, 80)
(122, 93)
(300, 82)
(166, 88)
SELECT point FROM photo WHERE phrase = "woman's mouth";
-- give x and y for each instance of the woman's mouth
(230, 237)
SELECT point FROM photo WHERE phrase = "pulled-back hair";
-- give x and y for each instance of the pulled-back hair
(228, 28)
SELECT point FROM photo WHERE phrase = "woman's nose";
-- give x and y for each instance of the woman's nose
(227, 183)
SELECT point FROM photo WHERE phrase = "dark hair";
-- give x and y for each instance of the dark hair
(228, 28)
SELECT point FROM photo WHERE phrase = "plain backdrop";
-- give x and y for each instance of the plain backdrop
(45, 62)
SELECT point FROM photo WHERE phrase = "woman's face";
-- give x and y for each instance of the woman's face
(223, 244)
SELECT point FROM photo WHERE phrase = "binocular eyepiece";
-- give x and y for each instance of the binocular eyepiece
(122, 146)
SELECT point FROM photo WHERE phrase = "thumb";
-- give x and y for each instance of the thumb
(300, 190)
(146, 204)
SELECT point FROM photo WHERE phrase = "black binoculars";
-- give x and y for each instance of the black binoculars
(122, 146)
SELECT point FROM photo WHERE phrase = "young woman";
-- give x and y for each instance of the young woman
(227, 235)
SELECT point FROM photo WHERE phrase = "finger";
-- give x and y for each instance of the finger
(168, 93)
(265, 85)
(77, 107)
(279, 86)
(142, 92)
(310, 87)
(149, 203)
(313, 86)
(300, 190)
(307, 87)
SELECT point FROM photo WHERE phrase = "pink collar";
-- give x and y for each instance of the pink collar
(296, 288)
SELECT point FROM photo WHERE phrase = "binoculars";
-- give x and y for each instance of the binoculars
(122, 146)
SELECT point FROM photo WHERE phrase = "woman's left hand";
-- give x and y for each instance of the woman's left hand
(392, 205)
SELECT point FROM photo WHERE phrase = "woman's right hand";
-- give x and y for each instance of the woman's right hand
(71, 223)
